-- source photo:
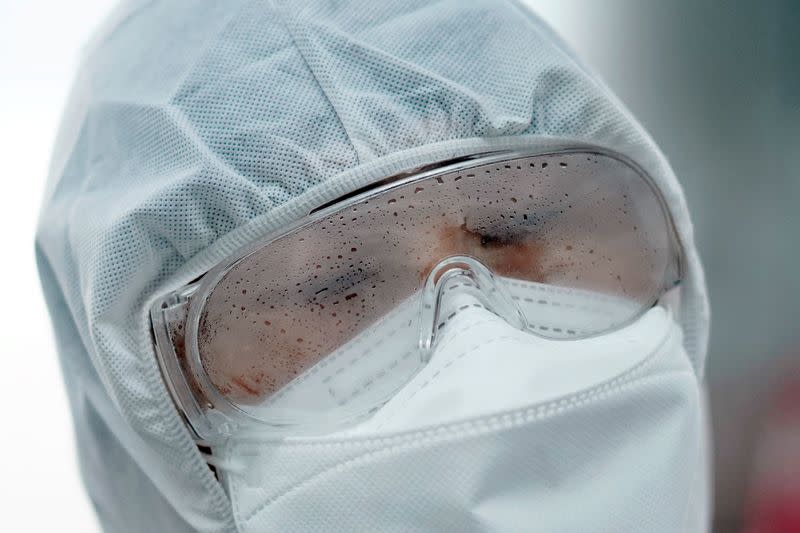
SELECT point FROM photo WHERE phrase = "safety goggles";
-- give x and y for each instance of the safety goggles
(319, 325)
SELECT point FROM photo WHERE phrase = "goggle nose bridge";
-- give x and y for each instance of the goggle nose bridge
(444, 278)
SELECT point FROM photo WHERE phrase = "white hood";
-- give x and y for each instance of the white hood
(194, 129)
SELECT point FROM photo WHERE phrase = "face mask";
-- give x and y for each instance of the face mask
(501, 431)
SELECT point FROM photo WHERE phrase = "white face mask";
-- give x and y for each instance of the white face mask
(501, 431)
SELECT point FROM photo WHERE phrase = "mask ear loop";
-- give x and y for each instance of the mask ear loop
(464, 273)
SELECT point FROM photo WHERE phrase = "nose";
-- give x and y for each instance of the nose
(454, 284)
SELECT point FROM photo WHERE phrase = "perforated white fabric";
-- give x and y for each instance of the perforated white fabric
(195, 127)
(502, 431)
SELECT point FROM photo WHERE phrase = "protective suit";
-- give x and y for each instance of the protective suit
(194, 129)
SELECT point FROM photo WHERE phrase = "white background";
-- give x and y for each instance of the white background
(41, 489)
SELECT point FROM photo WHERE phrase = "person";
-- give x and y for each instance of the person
(370, 266)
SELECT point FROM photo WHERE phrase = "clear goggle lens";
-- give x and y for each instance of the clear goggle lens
(321, 324)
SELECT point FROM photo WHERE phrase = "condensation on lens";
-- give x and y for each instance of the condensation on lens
(576, 220)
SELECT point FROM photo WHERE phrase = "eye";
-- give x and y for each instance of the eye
(334, 283)
(492, 238)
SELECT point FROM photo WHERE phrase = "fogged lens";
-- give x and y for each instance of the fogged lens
(585, 226)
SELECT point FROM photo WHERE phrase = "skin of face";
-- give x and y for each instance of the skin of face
(286, 310)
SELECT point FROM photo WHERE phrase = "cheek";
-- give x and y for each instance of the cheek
(257, 355)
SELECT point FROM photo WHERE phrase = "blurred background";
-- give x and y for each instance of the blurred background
(717, 84)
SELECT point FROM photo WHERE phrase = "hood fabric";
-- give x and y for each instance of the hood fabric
(194, 128)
